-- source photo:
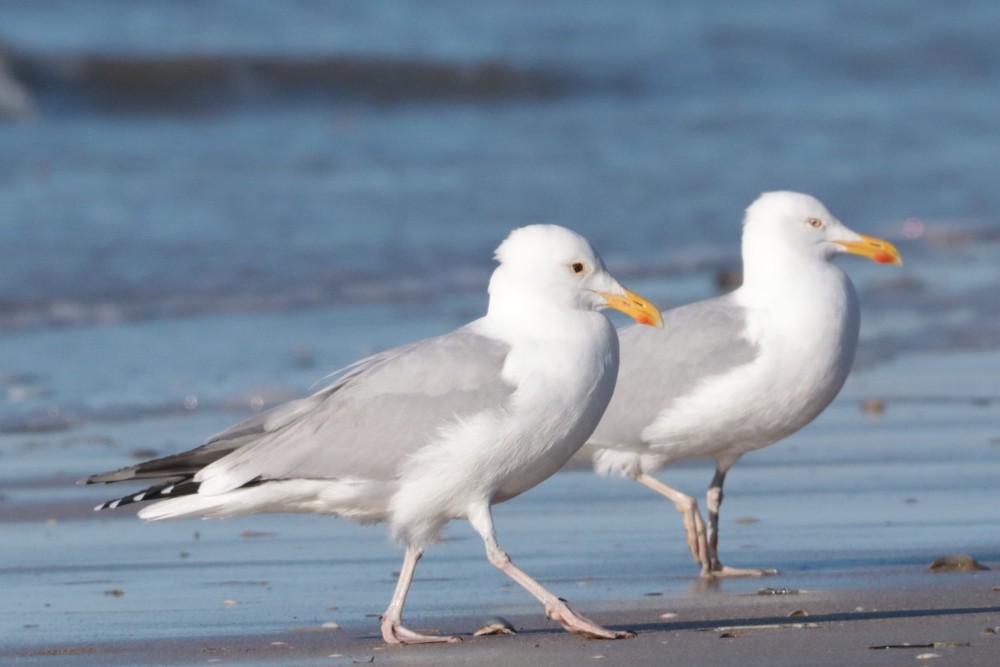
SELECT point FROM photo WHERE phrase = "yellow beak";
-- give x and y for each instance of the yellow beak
(633, 305)
(881, 251)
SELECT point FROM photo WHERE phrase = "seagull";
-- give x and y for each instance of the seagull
(436, 430)
(741, 371)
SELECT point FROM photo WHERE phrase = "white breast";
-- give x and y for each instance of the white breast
(807, 337)
(510, 449)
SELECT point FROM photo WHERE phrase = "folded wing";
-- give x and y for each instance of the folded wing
(360, 427)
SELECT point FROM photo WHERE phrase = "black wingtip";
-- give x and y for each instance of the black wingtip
(166, 490)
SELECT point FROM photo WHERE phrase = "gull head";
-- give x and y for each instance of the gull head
(548, 268)
(781, 222)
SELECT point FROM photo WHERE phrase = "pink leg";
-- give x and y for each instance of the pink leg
(393, 631)
(694, 525)
(555, 607)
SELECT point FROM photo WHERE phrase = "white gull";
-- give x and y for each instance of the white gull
(436, 430)
(739, 372)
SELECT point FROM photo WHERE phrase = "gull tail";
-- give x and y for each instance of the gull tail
(173, 489)
(178, 470)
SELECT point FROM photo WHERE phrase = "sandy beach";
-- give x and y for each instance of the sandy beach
(109, 590)
(952, 620)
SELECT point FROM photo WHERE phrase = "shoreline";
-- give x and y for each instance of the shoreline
(954, 616)
(852, 511)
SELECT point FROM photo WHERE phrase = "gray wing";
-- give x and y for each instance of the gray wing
(658, 366)
(360, 426)
(363, 426)
(186, 464)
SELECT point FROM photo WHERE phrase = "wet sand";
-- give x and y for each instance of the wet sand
(852, 511)
(955, 618)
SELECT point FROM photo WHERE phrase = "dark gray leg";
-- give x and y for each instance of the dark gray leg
(713, 500)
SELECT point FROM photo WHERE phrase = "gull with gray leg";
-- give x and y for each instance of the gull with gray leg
(739, 372)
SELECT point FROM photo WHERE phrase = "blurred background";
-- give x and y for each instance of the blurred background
(206, 205)
(167, 159)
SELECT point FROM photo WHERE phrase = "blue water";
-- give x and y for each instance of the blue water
(162, 255)
(172, 240)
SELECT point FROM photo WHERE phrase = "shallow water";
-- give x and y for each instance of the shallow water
(662, 124)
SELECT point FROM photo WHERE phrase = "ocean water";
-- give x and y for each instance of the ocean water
(219, 164)
(207, 206)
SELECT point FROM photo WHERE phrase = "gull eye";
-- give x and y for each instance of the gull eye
(578, 267)
(815, 223)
